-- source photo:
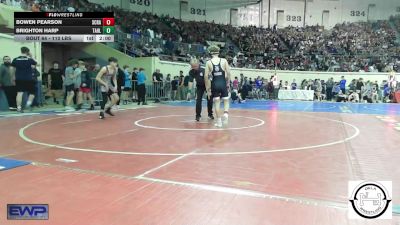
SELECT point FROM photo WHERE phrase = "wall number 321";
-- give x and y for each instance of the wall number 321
(198, 11)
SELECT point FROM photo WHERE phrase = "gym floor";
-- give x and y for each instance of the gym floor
(274, 163)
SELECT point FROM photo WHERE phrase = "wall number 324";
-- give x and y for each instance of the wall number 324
(357, 13)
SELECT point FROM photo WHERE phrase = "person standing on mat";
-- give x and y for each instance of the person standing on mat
(55, 82)
(120, 81)
(69, 83)
(197, 73)
(85, 88)
(141, 87)
(217, 86)
(107, 76)
(127, 85)
(23, 77)
(134, 84)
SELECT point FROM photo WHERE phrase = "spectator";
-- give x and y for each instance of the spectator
(127, 85)
(7, 82)
(38, 100)
(310, 85)
(186, 91)
(359, 87)
(303, 85)
(318, 89)
(374, 94)
(158, 83)
(329, 87)
(275, 83)
(270, 89)
(69, 83)
(294, 85)
(23, 77)
(343, 85)
(341, 97)
(174, 86)
(246, 88)
(86, 88)
(55, 82)
(353, 85)
(167, 86)
(285, 86)
(367, 92)
(95, 87)
(258, 85)
(353, 96)
(120, 84)
(77, 84)
(141, 87)
(181, 89)
(134, 84)
(157, 76)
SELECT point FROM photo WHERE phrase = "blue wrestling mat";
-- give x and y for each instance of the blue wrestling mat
(311, 106)
(396, 209)
(6, 164)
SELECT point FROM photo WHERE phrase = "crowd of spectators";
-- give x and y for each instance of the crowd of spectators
(45, 5)
(347, 47)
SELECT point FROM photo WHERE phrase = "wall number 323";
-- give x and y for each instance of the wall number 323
(293, 18)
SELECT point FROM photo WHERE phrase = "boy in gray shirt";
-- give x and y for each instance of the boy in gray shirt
(69, 83)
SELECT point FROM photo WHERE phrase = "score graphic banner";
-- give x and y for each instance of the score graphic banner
(64, 27)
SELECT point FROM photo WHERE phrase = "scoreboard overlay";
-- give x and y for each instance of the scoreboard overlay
(64, 26)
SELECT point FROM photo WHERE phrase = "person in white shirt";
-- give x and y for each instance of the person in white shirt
(353, 96)
(286, 86)
(275, 83)
(392, 79)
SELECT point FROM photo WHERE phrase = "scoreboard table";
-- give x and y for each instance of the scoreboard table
(64, 26)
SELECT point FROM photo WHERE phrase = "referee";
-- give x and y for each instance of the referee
(198, 73)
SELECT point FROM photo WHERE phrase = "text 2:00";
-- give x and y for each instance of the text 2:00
(105, 38)
(140, 2)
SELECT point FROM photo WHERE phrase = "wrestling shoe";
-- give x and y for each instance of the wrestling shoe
(108, 111)
(218, 123)
(226, 117)
(101, 116)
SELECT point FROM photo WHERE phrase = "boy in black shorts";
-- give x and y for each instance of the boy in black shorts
(24, 79)
(107, 77)
(218, 85)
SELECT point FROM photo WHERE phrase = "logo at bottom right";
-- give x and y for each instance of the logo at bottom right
(370, 199)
